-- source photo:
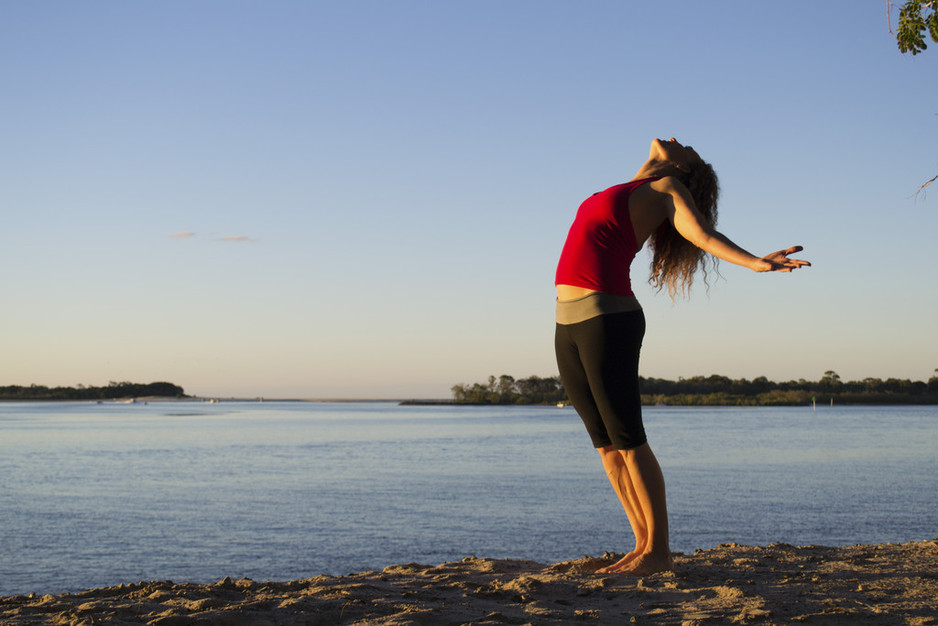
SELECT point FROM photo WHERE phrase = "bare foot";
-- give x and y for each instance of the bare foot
(620, 564)
(648, 564)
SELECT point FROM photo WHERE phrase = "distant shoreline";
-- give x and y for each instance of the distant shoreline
(442, 402)
(206, 400)
(669, 404)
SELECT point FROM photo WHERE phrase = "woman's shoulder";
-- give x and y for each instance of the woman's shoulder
(664, 184)
(658, 197)
(663, 189)
(651, 189)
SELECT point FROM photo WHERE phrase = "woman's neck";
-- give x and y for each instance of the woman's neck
(653, 168)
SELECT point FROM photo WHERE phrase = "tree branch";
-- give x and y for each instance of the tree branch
(926, 184)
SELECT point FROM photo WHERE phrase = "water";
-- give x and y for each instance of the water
(94, 495)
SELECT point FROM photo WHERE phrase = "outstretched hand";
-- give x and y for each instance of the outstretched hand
(779, 261)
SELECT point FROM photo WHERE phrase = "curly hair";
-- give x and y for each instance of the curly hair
(675, 260)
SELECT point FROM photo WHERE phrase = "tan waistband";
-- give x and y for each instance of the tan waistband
(592, 305)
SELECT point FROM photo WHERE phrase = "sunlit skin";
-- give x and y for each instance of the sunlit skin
(635, 474)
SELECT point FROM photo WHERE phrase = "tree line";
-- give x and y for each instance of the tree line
(507, 390)
(714, 390)
(112, 391)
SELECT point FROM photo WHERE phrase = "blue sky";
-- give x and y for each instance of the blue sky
(367, 199)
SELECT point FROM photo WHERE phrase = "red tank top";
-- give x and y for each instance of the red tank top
(601, 243)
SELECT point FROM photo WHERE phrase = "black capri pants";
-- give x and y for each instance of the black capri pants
(598, 361)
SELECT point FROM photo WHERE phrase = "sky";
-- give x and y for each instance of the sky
(367, 199)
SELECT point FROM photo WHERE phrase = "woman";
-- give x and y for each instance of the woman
(671, 200)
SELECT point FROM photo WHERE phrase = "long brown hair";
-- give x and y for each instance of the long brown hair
(675, 260)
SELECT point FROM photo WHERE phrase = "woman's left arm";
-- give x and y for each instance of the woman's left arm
(691, 225)
(779, 261)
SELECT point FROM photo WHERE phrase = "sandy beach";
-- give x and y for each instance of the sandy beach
(778, 584)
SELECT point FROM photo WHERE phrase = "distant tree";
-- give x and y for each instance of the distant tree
(506, 390)
(761, 384)
(830, 379)
(505, 386)
(712, 390)
(83, 392)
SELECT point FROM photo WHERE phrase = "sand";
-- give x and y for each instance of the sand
(778, 584)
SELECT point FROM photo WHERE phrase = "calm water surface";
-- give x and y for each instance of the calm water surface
(94, 495)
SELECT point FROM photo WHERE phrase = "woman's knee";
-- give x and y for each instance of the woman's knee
(610, 456)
